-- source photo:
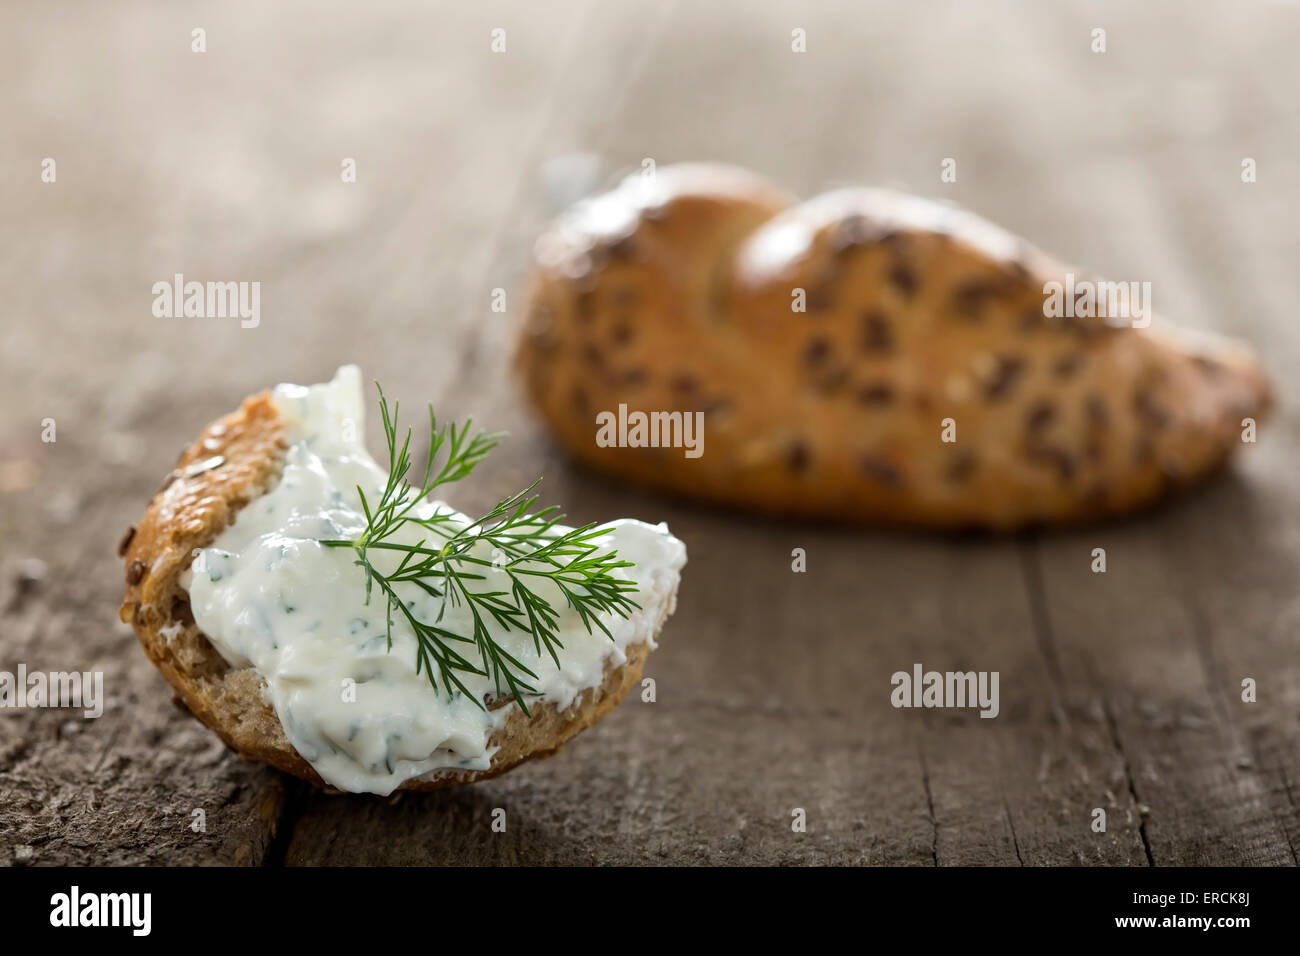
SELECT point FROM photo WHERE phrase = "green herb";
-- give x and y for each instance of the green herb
(527, 549)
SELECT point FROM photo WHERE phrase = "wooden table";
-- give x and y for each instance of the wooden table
(1119, 691)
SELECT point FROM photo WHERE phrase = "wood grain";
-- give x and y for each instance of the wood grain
(1118, 691)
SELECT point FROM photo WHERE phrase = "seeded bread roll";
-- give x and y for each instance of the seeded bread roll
(235, 460)
(681, 294)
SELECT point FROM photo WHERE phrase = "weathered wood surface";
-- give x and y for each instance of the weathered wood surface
(1119, 691)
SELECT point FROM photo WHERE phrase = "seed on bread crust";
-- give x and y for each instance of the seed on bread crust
(1067, 365)
(135, 572)
(962, 467)
(903, 278)
(1149, 409)
(207, 464)
(1041, 414)
(621, 333)
(685, 383)
(817, 298)
(877, 332)
(970, 297)
(1007, 370)
(881, 470)
(797, 457)
(1055, 456)
(876, 393)
(830, 381)
(816, 352)
(716, 407)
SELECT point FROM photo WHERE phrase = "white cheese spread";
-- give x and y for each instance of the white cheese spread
(269, 595)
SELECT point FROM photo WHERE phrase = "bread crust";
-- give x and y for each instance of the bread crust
(678, 297)
(235, 460)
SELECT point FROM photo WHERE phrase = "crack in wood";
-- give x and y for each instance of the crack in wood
(929, 802)
(292, 809)
(1128, 776)
(1015, 841)
(1290, 798)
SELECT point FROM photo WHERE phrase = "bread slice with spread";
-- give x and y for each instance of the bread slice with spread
(270, 638)
(867, 355)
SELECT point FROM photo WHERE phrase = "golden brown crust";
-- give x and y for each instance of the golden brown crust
(235, 460)
(679, 297)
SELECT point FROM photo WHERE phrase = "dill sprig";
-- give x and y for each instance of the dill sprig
(526, 547)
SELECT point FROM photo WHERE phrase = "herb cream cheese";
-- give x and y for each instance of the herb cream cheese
(268, 595)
